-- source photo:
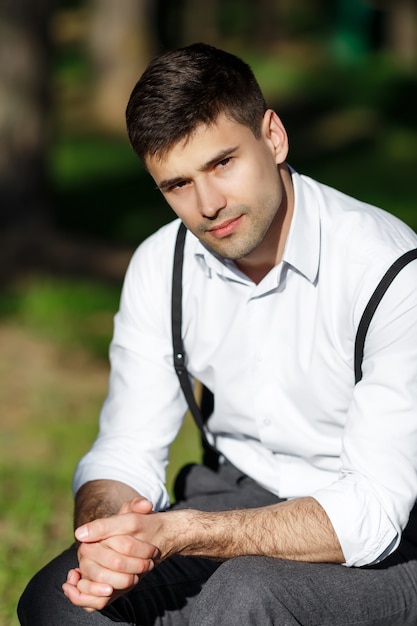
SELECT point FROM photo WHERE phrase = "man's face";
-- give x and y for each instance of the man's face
(225, 185)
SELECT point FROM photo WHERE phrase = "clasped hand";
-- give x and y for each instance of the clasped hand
(114, 553)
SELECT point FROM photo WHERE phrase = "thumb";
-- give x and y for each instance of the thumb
(140, 505)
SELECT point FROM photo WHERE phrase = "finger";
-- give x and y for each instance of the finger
(105, 527)
(118, 547)
(137, 505)
(73, 576)
(96, 589)
(93, 571)
(89, 601)
(140, 505)
(74, 579)
(110, 556)
(128, 546)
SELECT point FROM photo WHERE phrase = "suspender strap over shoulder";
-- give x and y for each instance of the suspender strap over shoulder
(176, 320)
(371, 307)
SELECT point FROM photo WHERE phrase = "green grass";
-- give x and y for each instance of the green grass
(70, 312)
(53, 376)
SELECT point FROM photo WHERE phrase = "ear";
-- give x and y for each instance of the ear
(274, 133)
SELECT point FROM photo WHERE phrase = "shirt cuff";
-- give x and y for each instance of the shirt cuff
(154, 491)
(365, 532)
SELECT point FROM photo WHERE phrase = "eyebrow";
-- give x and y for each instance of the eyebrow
(171, 182)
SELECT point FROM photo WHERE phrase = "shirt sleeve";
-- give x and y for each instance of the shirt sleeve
(143, 411)
(369, 505)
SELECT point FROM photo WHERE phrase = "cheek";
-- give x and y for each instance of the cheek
(259, 175)
(243, 187)
(269, 183)
(262, 190)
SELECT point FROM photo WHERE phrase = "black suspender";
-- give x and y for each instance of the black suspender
(370, 308)
(179, 354)
(178, 346)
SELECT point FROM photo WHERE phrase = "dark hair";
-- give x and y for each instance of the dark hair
(185, 88)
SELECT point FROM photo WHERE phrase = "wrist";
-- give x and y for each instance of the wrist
(178, 532)
(197, 533)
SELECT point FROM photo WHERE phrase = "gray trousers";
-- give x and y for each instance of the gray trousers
(242, 591)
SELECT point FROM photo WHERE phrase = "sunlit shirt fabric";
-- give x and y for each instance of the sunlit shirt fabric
(278, 357)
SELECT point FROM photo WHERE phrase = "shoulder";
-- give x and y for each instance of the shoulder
(154, 256)
(361, 231)
(150, 269)
(157, 244)
(358, 244)
(149, 273)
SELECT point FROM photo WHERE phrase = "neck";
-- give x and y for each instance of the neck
(257, 264)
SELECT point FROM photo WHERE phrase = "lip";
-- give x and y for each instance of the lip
(225, 228)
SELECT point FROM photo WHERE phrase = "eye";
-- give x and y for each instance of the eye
(178, 185)
(224, 162)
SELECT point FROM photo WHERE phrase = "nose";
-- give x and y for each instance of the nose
(210, 199)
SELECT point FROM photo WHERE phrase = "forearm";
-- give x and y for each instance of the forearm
(100, 498)
(297, 529)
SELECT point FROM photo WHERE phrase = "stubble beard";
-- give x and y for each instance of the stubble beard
(237, 245)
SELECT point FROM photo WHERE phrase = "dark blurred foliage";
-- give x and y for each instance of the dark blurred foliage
(340, 73)
(25, 59)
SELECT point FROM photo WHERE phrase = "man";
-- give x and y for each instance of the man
(305, 519)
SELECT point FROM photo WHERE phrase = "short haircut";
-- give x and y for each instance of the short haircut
(182, 89)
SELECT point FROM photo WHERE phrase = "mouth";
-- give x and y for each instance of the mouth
(225, 228)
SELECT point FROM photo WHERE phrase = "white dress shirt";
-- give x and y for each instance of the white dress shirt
(278, 357)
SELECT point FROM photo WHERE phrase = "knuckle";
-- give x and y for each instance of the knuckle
(85, 550)
(128, 546)
(119, 582)
(117, 563)
(97, 527)
(101, 576)
(128, 581)
(144, 566)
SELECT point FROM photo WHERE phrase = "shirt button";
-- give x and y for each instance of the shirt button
(267, 422)
(259, 357)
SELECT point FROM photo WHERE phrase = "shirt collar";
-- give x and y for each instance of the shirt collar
(302, 249)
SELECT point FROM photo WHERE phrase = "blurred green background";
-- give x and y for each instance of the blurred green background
(75, 202)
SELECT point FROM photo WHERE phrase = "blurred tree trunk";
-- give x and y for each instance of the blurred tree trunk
(402, 30)
(269, 27)
(121, 43)
(24, 107)
(398, 28)
(168, 20)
